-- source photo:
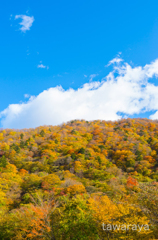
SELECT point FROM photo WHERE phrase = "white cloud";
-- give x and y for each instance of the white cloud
(26, 95)
(93, 76)
(129, 92)
(114, 60)
(42, 66)
(26, 23)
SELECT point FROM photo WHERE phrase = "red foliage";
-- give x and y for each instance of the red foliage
(131, 182)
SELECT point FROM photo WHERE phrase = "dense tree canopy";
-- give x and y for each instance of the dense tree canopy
(68, 182)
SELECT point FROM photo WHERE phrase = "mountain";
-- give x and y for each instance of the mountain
(80, 180)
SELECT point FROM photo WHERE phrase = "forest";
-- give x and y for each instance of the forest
(82, 180)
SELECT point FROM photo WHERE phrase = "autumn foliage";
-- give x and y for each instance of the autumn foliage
(63, 182)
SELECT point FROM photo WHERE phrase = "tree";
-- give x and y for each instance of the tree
(3, 161)
(107, 212)
(74, 220)
(31, 222)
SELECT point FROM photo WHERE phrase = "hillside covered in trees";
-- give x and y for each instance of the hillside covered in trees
(69, 182)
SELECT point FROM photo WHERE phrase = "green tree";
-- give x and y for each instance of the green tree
(3, 161)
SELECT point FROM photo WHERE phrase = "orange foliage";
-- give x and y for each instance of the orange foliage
(23, 172)
(131, 182)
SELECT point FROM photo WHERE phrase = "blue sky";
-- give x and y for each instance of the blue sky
(66, 43)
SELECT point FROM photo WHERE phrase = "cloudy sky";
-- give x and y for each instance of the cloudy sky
(64, 60)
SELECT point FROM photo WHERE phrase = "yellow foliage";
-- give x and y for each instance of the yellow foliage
(3, 198)
(1, 136)
(4, 146)
(107, 212)
(76, 189)
(78, 166)
(50, 181)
